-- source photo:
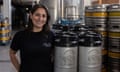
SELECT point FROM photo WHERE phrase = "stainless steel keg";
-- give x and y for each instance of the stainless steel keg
(88, 16)
(72, 9)
(90, 55)
(4, 32)
(4, 36)
(100, 17)
(114, 11)
(114, 18)
(100, 11)
(66, 52)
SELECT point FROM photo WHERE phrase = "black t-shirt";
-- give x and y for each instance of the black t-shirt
(35, 50)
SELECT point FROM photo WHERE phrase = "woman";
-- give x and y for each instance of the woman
(35, 43)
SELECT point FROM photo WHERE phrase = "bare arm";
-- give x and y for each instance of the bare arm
(14, 59)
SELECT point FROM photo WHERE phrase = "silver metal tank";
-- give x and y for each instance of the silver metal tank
(4, 34)
(72, 9)
(100, 17)
(88, 16)
(114, 18)
(90, 57)
(66, 52)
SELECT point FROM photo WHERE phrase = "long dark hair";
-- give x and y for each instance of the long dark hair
(46, 27)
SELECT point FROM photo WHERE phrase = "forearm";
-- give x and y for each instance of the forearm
(14, 60)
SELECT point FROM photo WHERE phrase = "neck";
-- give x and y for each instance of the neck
(37, 29)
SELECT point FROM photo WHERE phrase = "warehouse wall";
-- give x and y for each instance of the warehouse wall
(105, 1)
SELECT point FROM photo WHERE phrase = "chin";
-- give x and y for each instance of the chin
(39, 26)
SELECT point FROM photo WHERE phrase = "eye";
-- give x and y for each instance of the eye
(43, 15)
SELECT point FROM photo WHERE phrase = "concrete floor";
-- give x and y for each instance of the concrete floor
(5, 63)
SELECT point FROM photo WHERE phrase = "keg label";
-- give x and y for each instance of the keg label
(66, 57)
(94, 56)
(90, 56)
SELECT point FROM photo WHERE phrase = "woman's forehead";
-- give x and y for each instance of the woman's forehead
(41, 10)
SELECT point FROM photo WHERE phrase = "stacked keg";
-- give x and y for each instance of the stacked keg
(66, 50)
(4, 32)
(114, 38)
(100, 25)
(77, 49)
(88, 16)
(90, 52)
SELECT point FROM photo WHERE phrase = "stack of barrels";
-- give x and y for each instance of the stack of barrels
(77, 49)
(99, 24)
(4, 32)
(114, 38)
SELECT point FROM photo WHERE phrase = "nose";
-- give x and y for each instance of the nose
(41, 17)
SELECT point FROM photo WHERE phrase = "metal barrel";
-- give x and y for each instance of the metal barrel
(88, 16)
(113, 10)
(66, 51)
(100, 17)
(73, 9)
(90, 55)
(114, 18)
(4, 34)
(100, 11)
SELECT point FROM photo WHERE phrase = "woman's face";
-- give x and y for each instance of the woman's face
(39, 18)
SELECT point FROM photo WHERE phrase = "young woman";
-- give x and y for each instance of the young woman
(35, 44)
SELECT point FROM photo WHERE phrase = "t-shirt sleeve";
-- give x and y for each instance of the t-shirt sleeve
(15, 44)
